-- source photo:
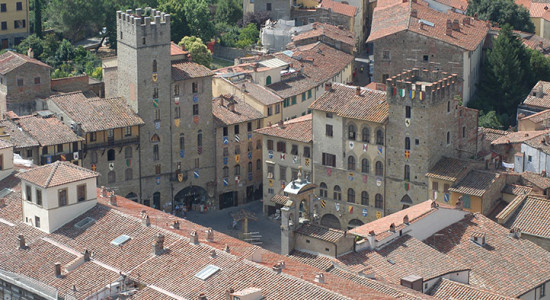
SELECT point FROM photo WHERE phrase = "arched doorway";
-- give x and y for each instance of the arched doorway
(132, 196)
(406, 201)
(189, 196)
(330, 220)
(354, 223)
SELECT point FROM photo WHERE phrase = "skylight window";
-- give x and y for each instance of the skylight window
(119, 241)
(207, 271)
(84, 223)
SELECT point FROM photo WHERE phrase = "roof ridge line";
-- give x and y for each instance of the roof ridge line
(50, 177)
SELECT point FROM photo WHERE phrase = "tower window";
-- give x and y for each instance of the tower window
(121, 34)
(448, 138)
(448, 106)
(143, 41)
(407, 143)
(154, 65)
(407, 111)
(407, 172)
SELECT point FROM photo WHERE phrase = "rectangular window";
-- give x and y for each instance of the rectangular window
(128, 131)
(328, 130)
(268, 6)
(446, 188)
(81, 192)
(236, 129)
(277, 108)
(249, 126)
(195, 109)
(3, 7)
(38, 197)
(1, 161)
(542, 290)
(303, 96)
(270, 170)
(329, 160)
(293, 174)
(157, 114)
(426, 58)
(309, 94)
(281, 147)
(269, 110)
(386, 54)
(307, 152)
(282, 173)
(225, 131)
(530, 158)
(60, 148)
(197, 163)
(463, 131)
(293, 100)
(466, 203)
(20, 82)
(286, 102)
(269, 144)
(4, 25)
(195, 87)
(36, 80)
(176, 90)
(28, 193)
(93, 136)
(19, 5)
(435, 186)
(294, 150)
(110, 133)
(37, 221)
(237, 149)
(177, 112)
(329, 115)
(155, 152)
(407, 111)
(62, 197)
(29, 153)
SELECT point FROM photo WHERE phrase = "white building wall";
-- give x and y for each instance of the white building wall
(325, 144)
(461, 276)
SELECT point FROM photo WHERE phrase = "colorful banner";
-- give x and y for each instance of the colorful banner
(365, 147)
(365, 212)
(350, 176)
(378, 215)
(323, 203)
(182, 153)
(195, 98)
(225, 140)
(282, 156)
(249, 154)
(237, 138)
(411, 94)
(177, 122)
(402, 92)
(158, 180)
(350, 209)
(329, 171)
(155, 103)
(307, 162)
(237, 158)
(225, 160)
(225, 182)
(196, 119)
(270, 154)
(337, 205)
(380, 150)
(351, 144)
(422, 95)
(249, 136)
(196, 173)
(407, 154)
(128, 162)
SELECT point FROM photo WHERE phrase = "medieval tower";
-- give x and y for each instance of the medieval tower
(422, 123)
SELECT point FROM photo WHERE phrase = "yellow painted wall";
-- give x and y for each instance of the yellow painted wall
(475, 202)
(307, 3)
(12, 14)
(536, 21)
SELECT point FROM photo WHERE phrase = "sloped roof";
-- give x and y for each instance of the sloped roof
(5, 144)
(388, 20)
(18, 137)
(538, 117)
(475, 183)
(536, 101)
(47, 131)
(448, 289)
(331, 31)
(299, 129)
(55, 174)
(532, 216)
(10, 61)
(536, 179)
(492, 134)
(188, 70)
(339, 7)
(448, 169)
(261, 93)
(242, 111)
(322, 233)
(343, 100)
(518, 137)
(96, 114)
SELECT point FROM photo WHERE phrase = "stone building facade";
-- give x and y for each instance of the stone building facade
(238, 151)
(349, 126)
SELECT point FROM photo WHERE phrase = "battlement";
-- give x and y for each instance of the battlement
(138, 18)
(143, 28)
(422, 85)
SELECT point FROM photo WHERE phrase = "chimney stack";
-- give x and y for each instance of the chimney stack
(358, 91)
(175, 224)
(459, 203)
(414, 13)
(421, 25)
(466, 21)
(103, 191)
(112, 199)
(145, 220)
(406, 220)
(158, 245)
(86, 255)
(209, 234)
(320, 278)
(202, 296)
(22, 244)
(231, 106)
(194, 238)
(456, 25)
(540, 91)
(212, 253)
(58, 270)
(328, 87)
(372, 239)
(392, 227)
(515, 233)
(226, 248)
(449, 30)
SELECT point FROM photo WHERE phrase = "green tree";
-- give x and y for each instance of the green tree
(197, 15)
(228, 34)
(66, 52)
(198, 50)
(32, 41)
(506, 75)
(228, 11)
(502, 12)
(249, 35)
(37, 24)
(75, 19)
(540, 65)
(489, 120)
(179, 25)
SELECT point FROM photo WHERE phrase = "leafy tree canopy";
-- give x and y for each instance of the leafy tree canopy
(198, 50)
(228, 11)
(502, 12)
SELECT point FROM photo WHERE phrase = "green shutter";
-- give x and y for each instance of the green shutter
(466, 203)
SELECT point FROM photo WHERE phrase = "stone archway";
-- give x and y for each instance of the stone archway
(406, 201)
(330, 220)
(189, 196)
(355, 223)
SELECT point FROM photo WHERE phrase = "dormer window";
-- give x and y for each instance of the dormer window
(478, 238)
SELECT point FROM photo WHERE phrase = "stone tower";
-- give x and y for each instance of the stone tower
(421, 129)
(144, 79)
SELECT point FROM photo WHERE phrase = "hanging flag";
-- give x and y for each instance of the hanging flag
(111, 166)
(407, 154)
(225, 140)
(407, 122)
(156, 103)
(158, 180)
(307, 162)
(378, 215)
(434, 195)
(196, 119)
(180, 177)
(446, 197)
(407, 186)
(225, 181)
(295, 159)
(128, 162)
(237, 158)
(329, 171)
(237, 179)
(270, 154)
(177, 100)
(155, 77)
(422, 95)
(225, 160)
(380, 150)
(365, 178)
(323, 203)
(394, 91)
(48, 159)
(237, 138)
(249, 135)
(411, 94)
(249, 154)
(402, 92)
(195, 98)
(282, 156)
(157, 125)
(365, 147)
(365, 212)
(378, 181)
(196, 173)
(177, 122)
(250, 176)
(350, 209)
(270, 182)
(351, 144)
(350, 176)
(76, 155)
(199, 150)
(62, 157)
(182, 153)
(94, 167)
(337, 206)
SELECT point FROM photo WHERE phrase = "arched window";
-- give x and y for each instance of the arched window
(364, 198)
(365, 134)
(154, 66)
(378, 201)
(199, 138)
(237, 170)
(258, 164)
(268, 80)
(448, 137)
(365, 166)
(407, 175)
(351, 163)
(156, 152)
(111, 177)
(351, 196)
(337, 193)
(249, 166)
(323, 190)
(379, 169)
(379, 137)
(225, 171)
(111, 155)
(128, 152)
(155, 139)
(128, 174)
(352, 132)
(407, 143)
(182, 142)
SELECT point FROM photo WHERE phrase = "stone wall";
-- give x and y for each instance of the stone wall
(21, 99)
(71, 84)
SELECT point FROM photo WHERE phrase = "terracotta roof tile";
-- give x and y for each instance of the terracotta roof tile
(448, 169)
(391, 19)
(55, 174)
(97, 114)
(538, 117)
(514, 189)
(175, 49)
(459, 4)
(299, 129)
(10, 60)
(330, 31)
(242, 111)
(322, 233)
(518, 137)
(536, 179)
(536, 101)
(475, 183)
(532, 216)
(492, 134)
(342, 99)
(280, 199)
(448, 289)
(187, 70)
(4, 143)
(261, 93)
(505, 265)
(47, 131)
(339, 7)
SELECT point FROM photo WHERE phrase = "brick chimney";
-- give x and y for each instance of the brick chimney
(213, 253)
(112, 199)
(456, 25)
(202, 296)
(57, 269)
(515, 233)
(209, 234)
(449, 30)
(86, 255)
(194, 238)
(466, 21)
(358, 91)
(145, 220)
(328, 87)
(21, 240)
(372, 240)
(158, 244)
(421, 24)
(414, 13)
(175, 224)
(320, 278)
(540, 91)
(226, 248)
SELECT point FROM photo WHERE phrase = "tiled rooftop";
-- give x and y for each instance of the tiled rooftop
(505, 265)
(475, 183)
(458, 4)
(4, 143)
(532, 216)
(518, 137)
(299, 129)
(188, 70)
(322, 233)
(536, 179)
(47, 131)
(10, 60)
(343, 100)
(96, 114)
(339, 8)
(448, 169)
(280, 199)
(330, 31)
(538, 117)
(55, 174)
(448, 289)
(492, 134)
(261, 93)
(514, 189)
(536, 101)
(242, 111)
(391, 19)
